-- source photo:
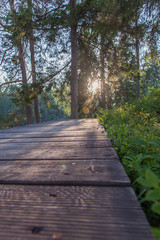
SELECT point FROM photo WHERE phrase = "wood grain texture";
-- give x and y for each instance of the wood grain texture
(54, 139)
(58, 153)
(37, 134)
(69, 172)
(52, 128)
(73, 124)
(51, 212)
(67, 122)
(45, 143)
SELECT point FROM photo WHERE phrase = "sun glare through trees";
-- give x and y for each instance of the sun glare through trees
(94, 87)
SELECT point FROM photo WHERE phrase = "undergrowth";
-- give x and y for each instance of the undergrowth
(134, 130)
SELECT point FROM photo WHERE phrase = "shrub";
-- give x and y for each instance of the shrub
(134, 130)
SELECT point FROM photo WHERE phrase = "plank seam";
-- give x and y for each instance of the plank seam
(67, 183)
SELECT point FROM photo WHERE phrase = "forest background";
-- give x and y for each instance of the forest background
(63, 59)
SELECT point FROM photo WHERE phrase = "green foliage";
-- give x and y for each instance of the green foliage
(151, 184)
(134, 130)
(156, 232)
(5, 105)
(12, 109)
(53, 107)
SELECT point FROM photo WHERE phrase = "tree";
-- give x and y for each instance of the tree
(33, 66)
(105, 45)
(102, 71)
(18, 42)
(74, 81)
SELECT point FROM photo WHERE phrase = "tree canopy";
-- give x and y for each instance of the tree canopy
(99, 53)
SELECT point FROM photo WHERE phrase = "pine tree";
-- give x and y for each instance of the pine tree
(18, 43)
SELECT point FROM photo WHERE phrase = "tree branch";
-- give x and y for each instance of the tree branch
(55, 9)
(89, 40)
(5, 54)
(2, 25)
(16, 81)
(47, 79)
(44, 81)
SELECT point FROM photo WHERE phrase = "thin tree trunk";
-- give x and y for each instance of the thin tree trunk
(74, 81)
(103, 90)
(138, 75)
(109, 100)
(32, 51)
(36, 102)
(28, 108)
(137, 56)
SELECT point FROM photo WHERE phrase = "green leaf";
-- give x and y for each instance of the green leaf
(156, 207)
(152, 195)
(129, 158)
(156, 232)
(152, 179)
(139, 142)
(155, 142)
(143, 182)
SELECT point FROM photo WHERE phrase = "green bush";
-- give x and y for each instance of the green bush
(134, 130)
(12, 112)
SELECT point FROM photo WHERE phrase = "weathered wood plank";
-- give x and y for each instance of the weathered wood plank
(4, 145)
(54, 139)
(94, 134)
(68, 122)
(79, 123)
(38, 212)
(58, 153)
(90, 172)
(50, 128)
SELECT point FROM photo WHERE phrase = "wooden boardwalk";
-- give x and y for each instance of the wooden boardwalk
(63, 180)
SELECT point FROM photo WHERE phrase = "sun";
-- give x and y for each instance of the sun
(94, 86)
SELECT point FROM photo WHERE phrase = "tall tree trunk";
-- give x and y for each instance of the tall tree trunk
(138, 75)
(36, 102)
(103, 90)
(137, 56)
(74, 81)
(31, 40)
(28, 108)
(109, 99)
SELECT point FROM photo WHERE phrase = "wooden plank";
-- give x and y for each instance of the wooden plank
(68, 122)
(54, 139)
(81, 213)
(67, 172)
(58, 153)
(52, 128)
(93, 134)
(76, 123)
(74, 144)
